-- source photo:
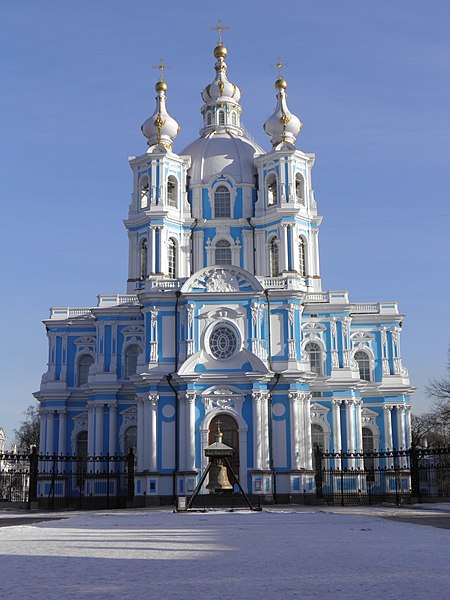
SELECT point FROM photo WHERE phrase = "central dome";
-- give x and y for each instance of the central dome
(222, 152)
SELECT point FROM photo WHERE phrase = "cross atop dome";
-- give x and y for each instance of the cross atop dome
(219, 29)
(161, 68)
(279, 65)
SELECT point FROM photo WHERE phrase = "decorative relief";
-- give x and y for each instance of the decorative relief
(221, 281)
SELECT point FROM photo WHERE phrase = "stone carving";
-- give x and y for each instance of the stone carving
(221, 281)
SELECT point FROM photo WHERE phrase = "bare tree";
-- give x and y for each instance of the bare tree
(27, 435)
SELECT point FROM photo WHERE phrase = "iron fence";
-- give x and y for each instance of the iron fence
(375, 477)
(56, 481)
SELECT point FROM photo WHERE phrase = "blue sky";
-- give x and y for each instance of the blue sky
(369, 80)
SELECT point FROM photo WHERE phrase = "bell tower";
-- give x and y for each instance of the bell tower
(285, 211)
(159, 219)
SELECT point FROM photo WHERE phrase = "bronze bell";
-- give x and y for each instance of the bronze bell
(218, 477)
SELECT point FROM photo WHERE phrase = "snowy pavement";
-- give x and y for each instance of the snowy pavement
(279, 553)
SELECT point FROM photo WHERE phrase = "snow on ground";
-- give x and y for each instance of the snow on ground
(276, 554)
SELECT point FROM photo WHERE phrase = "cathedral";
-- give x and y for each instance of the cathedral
(224, 320)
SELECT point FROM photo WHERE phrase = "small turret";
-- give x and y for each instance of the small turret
(282, 126)
(160, 129)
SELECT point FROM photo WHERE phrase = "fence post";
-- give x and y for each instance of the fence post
(318, 477)
(130, 469)
(34, 469)
(415, 474)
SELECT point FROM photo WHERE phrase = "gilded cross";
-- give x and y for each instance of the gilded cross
(219, 29)
(279, 65)
(161, 68)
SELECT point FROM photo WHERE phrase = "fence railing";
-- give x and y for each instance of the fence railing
(374, 477)
(56, 481)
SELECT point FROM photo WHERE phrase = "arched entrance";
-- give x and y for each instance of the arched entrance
(229, 429)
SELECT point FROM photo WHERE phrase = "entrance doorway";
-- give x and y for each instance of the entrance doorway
(229, 429)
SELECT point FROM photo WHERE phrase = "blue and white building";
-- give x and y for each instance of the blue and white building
(224, 319)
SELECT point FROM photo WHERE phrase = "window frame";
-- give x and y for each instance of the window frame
(221, 201)
(142, 205)
(272, 189)
(317, 353)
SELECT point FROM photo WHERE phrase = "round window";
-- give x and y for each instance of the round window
(223, 341)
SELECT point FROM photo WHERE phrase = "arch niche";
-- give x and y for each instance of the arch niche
(230, 430)
(225, 404)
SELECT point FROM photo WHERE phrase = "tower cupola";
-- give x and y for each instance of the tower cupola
(221, 111)
(160, 129)
(282, 126)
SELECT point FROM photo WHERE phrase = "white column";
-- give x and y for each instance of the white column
(153, 463)
(190, 430)
(62, 432)
(151, 251)
(90, 428)
(307, 425)
(198, 249)
(265, 454)
(112, 436)
(257, 433)
(99, 430)
(260, 254)
(337, 439)
(401, 433)
(284, 248)
(182, 434)
(49, 444)
(359, 440)
(350, 422)
(296, 431)
(42, 429)
(247, 250)
(408, 429)
(140, 433)
(388, 443)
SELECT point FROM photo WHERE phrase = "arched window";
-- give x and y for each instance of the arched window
(84, 363)
(222, 202)
(130, 440)
(172, 258)
(221, 117)
(223, 253)
(363, 361)
(274, 258)
(272, 190)
(131, 358)
(144, 258)
(368, 447)
(317, 441)
(233, 118)
(301, 257)
(172, 191)
(208, 118)
(300, 188)
(81, 452)
(143, 192)
(314, 353)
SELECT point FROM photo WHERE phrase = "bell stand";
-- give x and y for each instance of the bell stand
(219, 450)
(235, 480)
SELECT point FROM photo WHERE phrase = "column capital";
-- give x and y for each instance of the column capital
(387, 409)
(190, 396)
(152, 398)
(62, 411)
(336, 401)
(259, 395)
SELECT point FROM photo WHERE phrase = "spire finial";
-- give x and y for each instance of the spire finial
(280, 82)
(219, 29)
(279, 65)
(161, 68)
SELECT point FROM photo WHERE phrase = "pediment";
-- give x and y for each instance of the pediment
(222, 279)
